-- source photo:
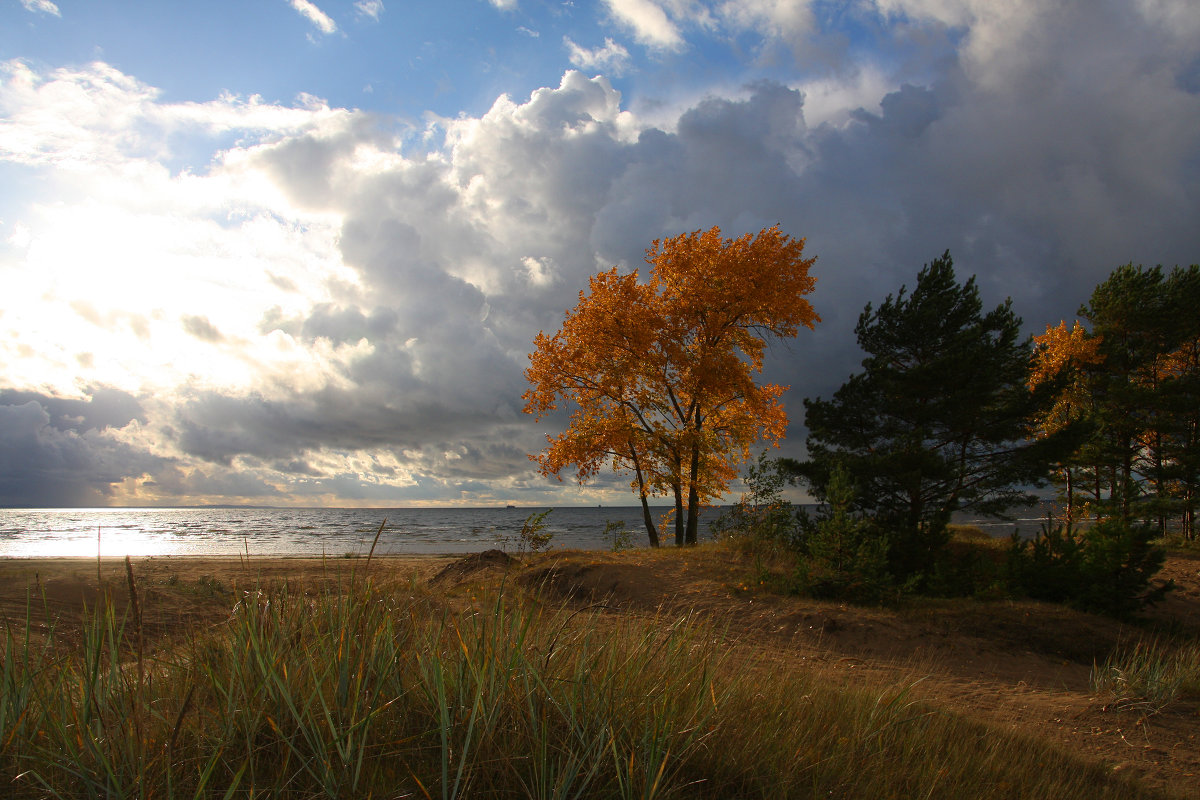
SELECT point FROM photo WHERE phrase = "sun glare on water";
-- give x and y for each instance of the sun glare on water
(118, 535)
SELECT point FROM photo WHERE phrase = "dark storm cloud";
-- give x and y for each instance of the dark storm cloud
(60, 451)
(104, 407)
(219, 428)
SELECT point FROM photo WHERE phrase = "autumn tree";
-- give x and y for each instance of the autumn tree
(1062, 360)
(661, 375)
(937, 420)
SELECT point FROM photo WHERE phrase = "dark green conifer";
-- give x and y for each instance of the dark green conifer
(937, 420)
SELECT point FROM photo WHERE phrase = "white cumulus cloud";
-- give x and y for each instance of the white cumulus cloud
(648, 21)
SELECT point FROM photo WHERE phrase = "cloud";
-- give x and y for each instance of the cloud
(99, 409)
(316, 16)
(612, 58)
(648, 21)
(327, 306)
(41, 7)
(68, 451)
(668, 25)
(504, 5)
(785, 19)
(201, 328)
(90, 118)
(369, 8)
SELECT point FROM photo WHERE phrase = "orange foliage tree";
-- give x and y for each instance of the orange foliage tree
(1063, 357)
(661, 375)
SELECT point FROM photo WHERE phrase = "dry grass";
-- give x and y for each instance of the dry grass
(358, 689)
(1149, 676)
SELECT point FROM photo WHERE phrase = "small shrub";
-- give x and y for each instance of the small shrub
(1107, 568)
(1149, 677)
(967, 533)
(845, 555)
(534, 537)
(618, 535)
(207, 584)
(966, 569)
(761, 522)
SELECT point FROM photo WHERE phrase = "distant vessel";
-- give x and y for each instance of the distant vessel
(510, 505)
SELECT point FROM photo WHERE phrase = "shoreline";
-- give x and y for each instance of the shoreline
(236, 559)
(180, 582)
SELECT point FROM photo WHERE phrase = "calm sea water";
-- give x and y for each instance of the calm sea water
(298, 531)
(334, 532)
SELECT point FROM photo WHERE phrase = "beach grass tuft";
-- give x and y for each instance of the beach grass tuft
(1149, 676)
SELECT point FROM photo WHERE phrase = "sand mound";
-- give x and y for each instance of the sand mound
(468, 566)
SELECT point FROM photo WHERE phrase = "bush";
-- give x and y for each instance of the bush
(1108, 568)
(846, 555)
(762, 520)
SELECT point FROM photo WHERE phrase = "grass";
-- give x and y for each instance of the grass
(364, 690)
(1150, 676)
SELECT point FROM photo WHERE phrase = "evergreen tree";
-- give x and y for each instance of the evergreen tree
(845, 555)
(937, 420)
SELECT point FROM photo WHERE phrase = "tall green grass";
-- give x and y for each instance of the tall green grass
(370, 692)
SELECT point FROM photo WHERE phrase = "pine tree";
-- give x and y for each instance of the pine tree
(937, 420)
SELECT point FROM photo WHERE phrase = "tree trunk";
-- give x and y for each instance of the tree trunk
(649, 520)
(1070, 502)
(679, 534)
(650, 529)
(693, 509)
(677, 489)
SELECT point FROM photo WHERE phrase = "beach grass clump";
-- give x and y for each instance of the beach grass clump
(369, 691)
(1149, 677)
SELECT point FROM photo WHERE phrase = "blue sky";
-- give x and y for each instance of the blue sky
(294, 252)
(406, 59)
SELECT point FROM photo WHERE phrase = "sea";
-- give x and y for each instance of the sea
(334, 532)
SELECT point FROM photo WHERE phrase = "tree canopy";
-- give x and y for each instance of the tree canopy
(661, 375)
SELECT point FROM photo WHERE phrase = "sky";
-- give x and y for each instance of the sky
(295, 252)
